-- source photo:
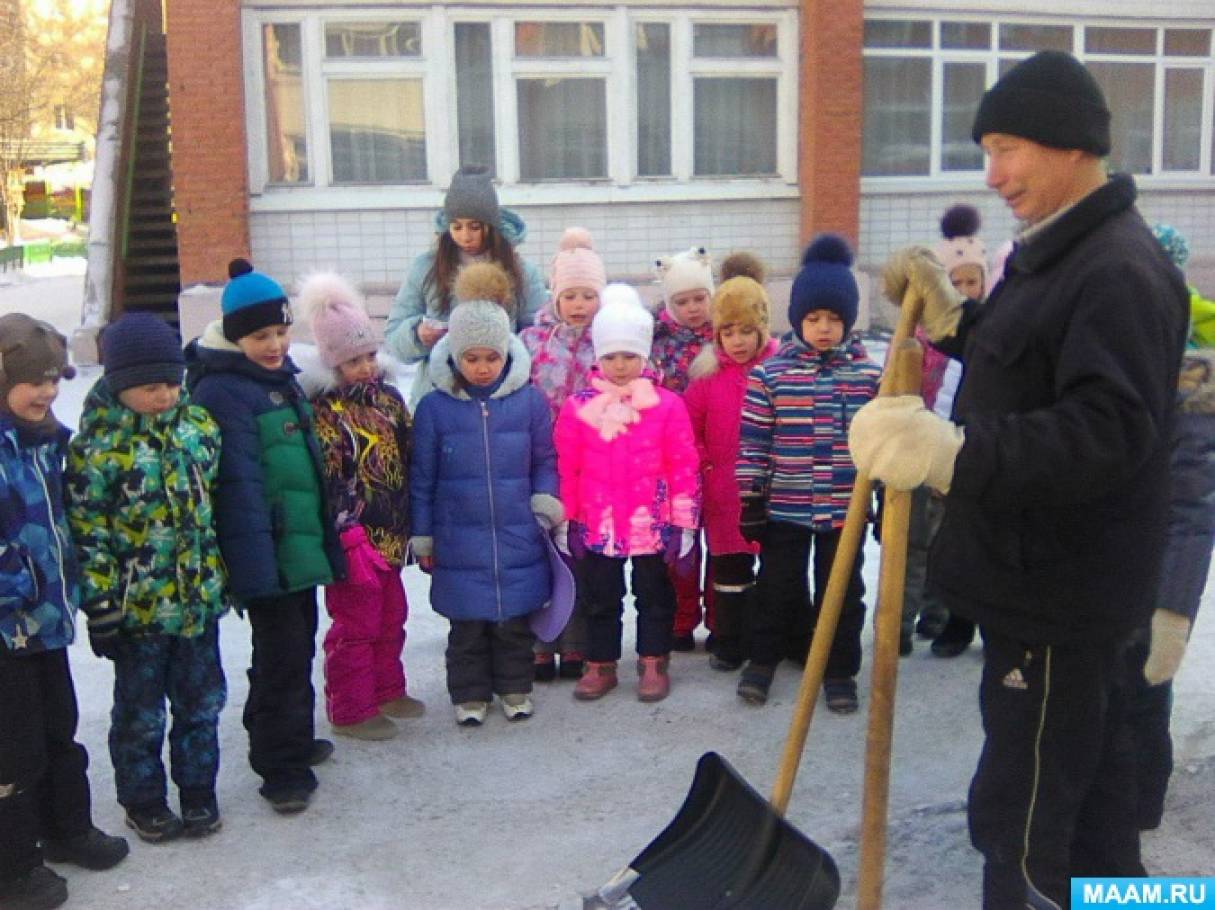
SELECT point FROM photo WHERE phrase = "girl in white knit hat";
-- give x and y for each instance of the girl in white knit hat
(629, 482)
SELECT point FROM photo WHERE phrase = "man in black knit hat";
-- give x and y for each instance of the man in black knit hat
(1056, 470)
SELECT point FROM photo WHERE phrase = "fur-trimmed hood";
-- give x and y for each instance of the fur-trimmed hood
(443, 373)
(512, 227)
(316, 379)
(712, 358)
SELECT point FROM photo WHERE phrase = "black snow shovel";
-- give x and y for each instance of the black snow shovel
(728, 848)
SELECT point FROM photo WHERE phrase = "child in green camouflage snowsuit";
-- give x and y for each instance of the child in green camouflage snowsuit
(140, 474)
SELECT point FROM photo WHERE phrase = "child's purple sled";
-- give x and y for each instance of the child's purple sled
(549, 621)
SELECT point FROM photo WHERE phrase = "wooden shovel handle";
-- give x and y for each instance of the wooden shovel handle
(896, 519)
(837, 586)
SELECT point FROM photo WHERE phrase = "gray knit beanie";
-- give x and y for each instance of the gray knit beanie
(478, 324)
(472, 195)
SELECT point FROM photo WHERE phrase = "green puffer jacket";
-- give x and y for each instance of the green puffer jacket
(139, 504)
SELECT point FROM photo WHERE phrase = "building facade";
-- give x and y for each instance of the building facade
(323, 134)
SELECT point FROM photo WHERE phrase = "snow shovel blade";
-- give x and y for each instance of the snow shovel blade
(728, 848)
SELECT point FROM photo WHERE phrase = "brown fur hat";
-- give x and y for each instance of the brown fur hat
(741, 301)
(743, 264)
(485, 281)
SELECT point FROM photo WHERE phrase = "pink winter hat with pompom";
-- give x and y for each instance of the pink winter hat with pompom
(338, 316)
(576, 264)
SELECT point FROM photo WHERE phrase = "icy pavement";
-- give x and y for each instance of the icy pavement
(538, 814)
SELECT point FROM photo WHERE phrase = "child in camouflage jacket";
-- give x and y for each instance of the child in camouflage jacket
(140, 474)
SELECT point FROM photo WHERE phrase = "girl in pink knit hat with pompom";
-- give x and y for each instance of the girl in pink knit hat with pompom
(364, 432)
(562, 360)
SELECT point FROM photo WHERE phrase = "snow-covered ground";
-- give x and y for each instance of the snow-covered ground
(534, 815)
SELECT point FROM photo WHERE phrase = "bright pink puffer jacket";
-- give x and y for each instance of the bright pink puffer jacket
(714, 399)
(629, 492)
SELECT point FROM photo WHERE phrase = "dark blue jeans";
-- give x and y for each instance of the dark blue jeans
(186, 671)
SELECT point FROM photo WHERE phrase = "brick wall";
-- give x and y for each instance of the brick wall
(831, 98)
(206, 97)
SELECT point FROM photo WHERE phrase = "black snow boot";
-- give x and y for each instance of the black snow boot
(154, 822)
(92, 850)
(39, 889)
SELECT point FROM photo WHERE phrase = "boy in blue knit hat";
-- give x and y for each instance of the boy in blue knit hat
(795, 475)
(275, 532)
(140, 477)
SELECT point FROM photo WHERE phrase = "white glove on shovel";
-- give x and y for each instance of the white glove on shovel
(903, 444)
(1170, 633)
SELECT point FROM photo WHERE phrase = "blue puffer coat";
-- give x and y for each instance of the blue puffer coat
(38, 576)
(275, 530)
(476, 464)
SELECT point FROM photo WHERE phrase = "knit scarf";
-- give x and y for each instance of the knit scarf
(617, 407)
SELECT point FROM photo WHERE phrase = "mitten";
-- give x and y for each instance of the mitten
(548, 510)
(917, 269)
(362, 558)
(105, 634)
(1170, 632)
(754, 517)
(900, 442)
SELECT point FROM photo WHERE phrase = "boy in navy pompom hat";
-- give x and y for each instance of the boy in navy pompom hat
(795, 475)
(824, 283)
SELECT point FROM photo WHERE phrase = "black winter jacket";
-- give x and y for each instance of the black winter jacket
(1055, 524)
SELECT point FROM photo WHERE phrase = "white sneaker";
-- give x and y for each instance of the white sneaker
(471, 713)
(517, 707)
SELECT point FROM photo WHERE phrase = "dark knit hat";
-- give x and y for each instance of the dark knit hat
(140, 349)
(30, 351)
(1051, 99)
(825, 282)
(252, 301)
(472, 195)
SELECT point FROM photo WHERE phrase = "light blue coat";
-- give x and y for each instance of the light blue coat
(415, 301)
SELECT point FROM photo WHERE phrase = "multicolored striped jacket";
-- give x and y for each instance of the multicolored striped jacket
(794, 440)
(675, 347)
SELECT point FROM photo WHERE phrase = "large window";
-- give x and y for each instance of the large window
(924, 79)
(599, 96)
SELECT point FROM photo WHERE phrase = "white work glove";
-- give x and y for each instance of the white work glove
(561, 538)
(1170, 632)
(903, 444)
(917, 268)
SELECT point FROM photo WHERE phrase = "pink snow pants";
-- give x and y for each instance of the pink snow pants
(363, 666)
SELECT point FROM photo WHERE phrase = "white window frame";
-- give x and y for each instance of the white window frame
(938, 179)
(436, 67)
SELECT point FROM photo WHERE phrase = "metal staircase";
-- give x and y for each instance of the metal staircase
(152, 279)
